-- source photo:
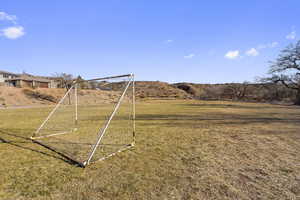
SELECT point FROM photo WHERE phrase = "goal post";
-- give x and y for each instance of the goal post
(94, 120)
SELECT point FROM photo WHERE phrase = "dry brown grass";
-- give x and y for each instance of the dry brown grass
(11, 96)
(185, 150)
(157, 89)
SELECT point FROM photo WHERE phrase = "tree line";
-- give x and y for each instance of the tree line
(281, 83)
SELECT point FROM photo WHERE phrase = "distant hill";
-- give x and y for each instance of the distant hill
(157, 89)
(10, 96)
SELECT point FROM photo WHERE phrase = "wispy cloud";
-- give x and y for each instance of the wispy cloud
(13, 32)
(291, 35)
(168, 41)
(189, 56)
(6, 17)
(252, 52)
(232, 54)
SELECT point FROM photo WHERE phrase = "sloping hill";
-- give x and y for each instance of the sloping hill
(11, 96)
(157, 89)
(189, 88)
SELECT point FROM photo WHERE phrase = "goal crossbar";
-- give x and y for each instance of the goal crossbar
(105, 78)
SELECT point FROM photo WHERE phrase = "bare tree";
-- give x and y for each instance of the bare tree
(286, 69)
(82, 84)
(236, 91)
(213, 92)
(65, 80)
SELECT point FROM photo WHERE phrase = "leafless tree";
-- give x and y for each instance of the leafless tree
(286, 69)
(213, 92)
(273, 92)
(237, 91)
(65, 80)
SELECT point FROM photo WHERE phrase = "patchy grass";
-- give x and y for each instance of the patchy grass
(184, 150)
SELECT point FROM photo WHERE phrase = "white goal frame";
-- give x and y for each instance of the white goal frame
(101, 132)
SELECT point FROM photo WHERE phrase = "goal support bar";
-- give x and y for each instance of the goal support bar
(52, 112)
(102, 131)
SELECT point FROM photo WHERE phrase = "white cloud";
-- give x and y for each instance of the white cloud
(189, 56)
(232, 54)
(6, 17)
(252, 52)
(168, 41)
(13, 32)
(291, 35)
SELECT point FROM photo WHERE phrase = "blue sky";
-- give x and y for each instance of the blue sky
(166, 40)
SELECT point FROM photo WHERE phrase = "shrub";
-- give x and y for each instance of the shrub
(39, 96)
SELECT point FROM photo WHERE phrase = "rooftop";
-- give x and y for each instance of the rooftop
(10, 73)
(30, 78)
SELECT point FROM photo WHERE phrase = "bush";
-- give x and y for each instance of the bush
(39, 96)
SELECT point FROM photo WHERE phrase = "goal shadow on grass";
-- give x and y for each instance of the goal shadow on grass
(105, 149)
(20, 141)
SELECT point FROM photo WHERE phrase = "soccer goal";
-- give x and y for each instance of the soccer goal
(94, 120)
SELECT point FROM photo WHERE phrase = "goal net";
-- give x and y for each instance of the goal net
(94, 120)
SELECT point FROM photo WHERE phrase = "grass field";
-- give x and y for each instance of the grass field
(184, 150)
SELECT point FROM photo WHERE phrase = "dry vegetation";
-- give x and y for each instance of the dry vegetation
(185, 149)
(156, 89)
(11, 96)
(272, 93)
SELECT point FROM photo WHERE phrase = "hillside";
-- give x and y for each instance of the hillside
(157, 89)
(11, 96)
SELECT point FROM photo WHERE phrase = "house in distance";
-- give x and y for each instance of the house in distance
(27, 80)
